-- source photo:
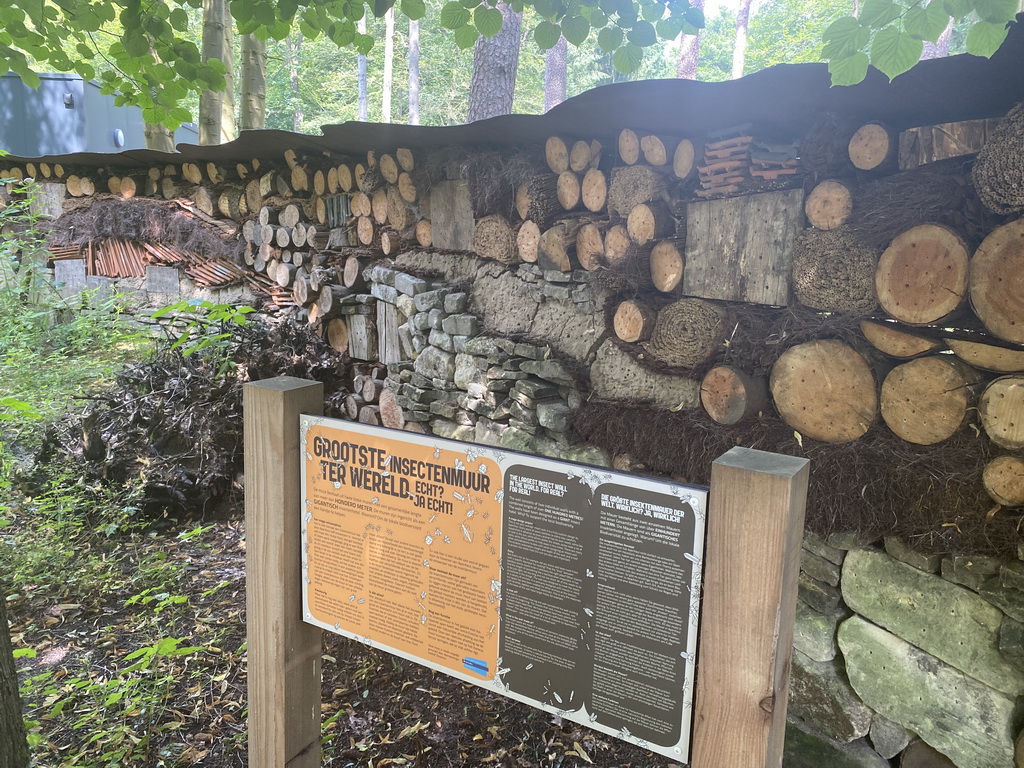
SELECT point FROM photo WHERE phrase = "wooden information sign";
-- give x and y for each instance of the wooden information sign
(571, 588)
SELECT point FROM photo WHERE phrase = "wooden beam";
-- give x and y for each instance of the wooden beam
(284, 652)
(752, 564)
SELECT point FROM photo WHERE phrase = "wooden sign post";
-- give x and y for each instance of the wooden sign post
(751, 566)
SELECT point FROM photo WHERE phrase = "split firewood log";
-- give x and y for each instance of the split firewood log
(284, 275)
(367, 232)
(370, 414)
(393, 243)
(203, 200)
(633, 321)
(997, 282)
(629, 146)
(192, 173)
(494, 238)
(731, 395)
(594, 190)
(1001, 409)
(590, 246)
(887, 338)
(391, 413)
(987, 357)
(925, 401)
(825, 390)
(922, 276)
(346, 181)
(528, 242)
(424, 233)
(379, 205)
(829, 204)
(1003, 480)
(874, 147)
(558, 246)
(407, 187)
(400, 215)
(667, 263)
(332, 181)
(619, 248)
(329, 300)
(687, 333)
(388, 168)
(360, 204)
(579, 156)
(406, 159)
(290, 215)
(568, 190)
(650, 221)
(556, 153)
(371, 389)
(658, 150)
(684, 160)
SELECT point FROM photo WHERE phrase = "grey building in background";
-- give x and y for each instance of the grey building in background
(68, 114)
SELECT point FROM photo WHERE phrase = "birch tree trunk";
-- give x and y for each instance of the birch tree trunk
(364, 99)
(211, 103)
(13, 747)
(158, 138)
(414, 72)
(253, 113)
(293, 46)
(739, 51)
(495, 62)
(228, 123)
(389, 65)
(940, 48)
(689, 50)
(555, 74)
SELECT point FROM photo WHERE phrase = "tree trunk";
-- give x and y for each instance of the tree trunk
(211, 103)
(495, 62)
(689, 50)
(293, 46)
(158, 138)
(389, 64)
(940, 48)
(364, 99)
(228, 123)
(739, 51)
(414, 72)
(253, 113)
(555, 74)
(13, 747)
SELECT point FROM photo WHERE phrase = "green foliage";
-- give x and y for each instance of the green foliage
(208, 327)
(890, 34)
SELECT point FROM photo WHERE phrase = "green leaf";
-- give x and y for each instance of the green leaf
(179, 19)
(669, 29)
(893, 51)
(642, 34)
(879, 13)
(546, 35)
(695, 17)
(414, 9)
(996, 11)
(24, 653)
(926, 23)
(844, 37)
(610, 38)
(958, 8)
(849, 70)
(628, 58)
(466, 37)
(652, 12)
(453, 16)
(575, 29)
(985, 38)
(487, 20)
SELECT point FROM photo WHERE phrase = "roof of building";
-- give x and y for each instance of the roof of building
(782, 100)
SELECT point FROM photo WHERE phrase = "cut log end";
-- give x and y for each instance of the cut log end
(1002, 412)
(1003, 480)
(829, 205)
(730, 395)
(925, 401)
(922, 276)
(633, 321)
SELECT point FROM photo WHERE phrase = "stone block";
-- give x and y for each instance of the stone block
(462, 325)
(969, 571)
(515, 439)
(158, 279)
(616, 376)
(817, 545)
(814, 634)
(435, 319)
(888, 738)
(451, 430)
(536, 389)
(804, 748)
(484, 346)
(967, 721)
(435, 363)
(409, 285)
(420, 321)
(380, 274)
(523, 414)
(818, 595)
(460, 343)
(496, 373)
(819, 568)
(419, 380)
(555, 276)
(848, 540)
(443, 384)
(533, 429)
(430, 300)
(532, 351)
(446, 410)
(69, 277)
(549, 370)
(505, 303)
(441, 340)
(554, 415)
(949, 622)
(454, 267)
(587, 454)
(384, 292)
(470, 369)
(489, 432)
(820, 694)
(1011, 575)
(557, 292)
(455, 303)
(1011, 641)
(903, 553)
(1009, 601)
(405, 305)
(419, 343)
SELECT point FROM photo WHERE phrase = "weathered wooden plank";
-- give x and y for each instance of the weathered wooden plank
(363, 343)
(284, 652)
(931, 143)
(741, 248)
(752, 567)
(451, 215)
(389, 348)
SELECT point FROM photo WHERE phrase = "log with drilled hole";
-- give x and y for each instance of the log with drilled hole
(987, 357)
(925, 401)
(825, 390)
(594, 190)
(567, 189)
(391, 413)
(889, 339)
(922, 275)
(528, 242)
(557, 246)
(424, 233)
(667, 262)
(874, 147)
(650, 221)
(684, 160)
(590, 246)
(658, 150)
(731, 395)
(997, 282)
(1001, 410)
(556, 153)
(829, 204)
(633, 321)
(1003, 480)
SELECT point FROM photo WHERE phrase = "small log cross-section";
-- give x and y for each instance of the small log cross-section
(731, 395)
(829, 205)
(493, 238)
(987, 357)
(873, 147)
(922, 276)
(997, 282)
(741, 248)
(887, 338)
(687, 333)
(1003, 479)
(925, 401)
(825, 390)
(589, 246)
(633, 321)
(1002, 411)
(667, 265)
